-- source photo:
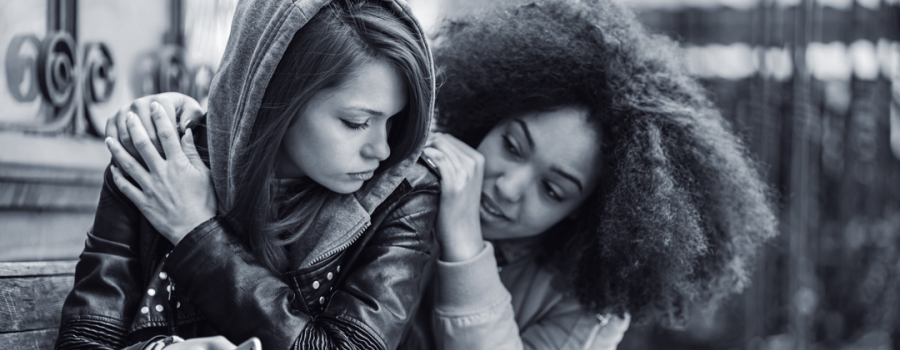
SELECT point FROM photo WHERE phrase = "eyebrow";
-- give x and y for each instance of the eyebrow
(370, 111)
(525, 129)
(555, 169)
(568, 176)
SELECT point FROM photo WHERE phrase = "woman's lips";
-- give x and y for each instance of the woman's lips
(488, 207)
(365, 175)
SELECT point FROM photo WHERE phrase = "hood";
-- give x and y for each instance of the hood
(260, 33)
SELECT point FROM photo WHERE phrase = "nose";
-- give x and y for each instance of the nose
(377, 146)
(511, 184)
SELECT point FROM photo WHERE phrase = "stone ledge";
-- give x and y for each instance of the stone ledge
(52, 159)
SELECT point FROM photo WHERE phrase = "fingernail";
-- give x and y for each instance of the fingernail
(131, 115)
(108, 141)
(154, 106)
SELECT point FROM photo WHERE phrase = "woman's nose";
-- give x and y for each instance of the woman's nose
(377, 147)
(511, 184)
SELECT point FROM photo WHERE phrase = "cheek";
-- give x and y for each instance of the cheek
(316, 146)
(541, 216)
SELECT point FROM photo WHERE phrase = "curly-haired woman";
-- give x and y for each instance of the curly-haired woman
(584, 174)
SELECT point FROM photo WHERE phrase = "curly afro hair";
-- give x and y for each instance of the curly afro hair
(682, 209)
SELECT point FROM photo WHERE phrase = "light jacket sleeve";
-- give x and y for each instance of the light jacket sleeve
(474, 311)
(369, 311)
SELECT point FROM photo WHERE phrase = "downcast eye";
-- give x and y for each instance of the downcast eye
(355, 126)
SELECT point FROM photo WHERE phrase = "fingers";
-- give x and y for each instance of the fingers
(171, 105)
(463, 157)
(463, 148)
(455, 177)
(185, 107)
(126, 161)
(122, 130)
(451, 153)
(171, 112)
(111, 130)
(142, 142)
(166, 132)
(190, 151)
(443, 165)
(142, 111)
(133, 193)
(178, 108)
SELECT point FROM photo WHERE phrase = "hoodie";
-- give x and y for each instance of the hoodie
(363, 268)
(261, 31)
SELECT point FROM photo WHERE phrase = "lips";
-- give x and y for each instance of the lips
(365, 175)
(489, 207)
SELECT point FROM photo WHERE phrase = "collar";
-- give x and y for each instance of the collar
(344, 218)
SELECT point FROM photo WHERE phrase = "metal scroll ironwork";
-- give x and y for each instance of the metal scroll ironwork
(71, 77)
(69, 85)
(21, 67)
(100, 78)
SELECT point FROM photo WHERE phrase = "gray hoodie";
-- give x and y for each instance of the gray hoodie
(260, 33)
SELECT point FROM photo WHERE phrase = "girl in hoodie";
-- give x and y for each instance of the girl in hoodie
(585, 175)
(295, 211)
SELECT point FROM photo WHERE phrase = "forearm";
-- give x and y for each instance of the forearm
(473, 309)
(240, 296)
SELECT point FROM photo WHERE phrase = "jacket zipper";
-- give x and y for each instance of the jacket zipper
(343, 246)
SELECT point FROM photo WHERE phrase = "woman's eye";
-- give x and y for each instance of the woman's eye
(510, 146)
(552, 193)
(355, 126)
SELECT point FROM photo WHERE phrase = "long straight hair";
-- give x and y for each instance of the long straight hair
(322, 55)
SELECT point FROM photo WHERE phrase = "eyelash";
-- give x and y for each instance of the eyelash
(551, 193)
(510, 147)
(356, 126)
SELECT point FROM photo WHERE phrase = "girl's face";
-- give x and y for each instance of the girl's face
(538, 169)
(340, 137)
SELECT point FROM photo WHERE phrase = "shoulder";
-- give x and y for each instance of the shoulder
(418, 193)
(423, 176)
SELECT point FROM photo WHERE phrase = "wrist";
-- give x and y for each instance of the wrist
(461, 250)
(176, 234)
(460, 239)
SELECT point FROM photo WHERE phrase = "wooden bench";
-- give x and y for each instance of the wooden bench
(31, 298)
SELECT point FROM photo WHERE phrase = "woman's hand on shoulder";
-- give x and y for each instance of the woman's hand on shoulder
(175, 192)
(179, 108)
(462, 172)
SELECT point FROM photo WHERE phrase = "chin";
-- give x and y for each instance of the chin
(343, 187)
(500, 235)
(487, 234)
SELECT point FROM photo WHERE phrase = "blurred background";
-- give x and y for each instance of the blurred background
(813, 86)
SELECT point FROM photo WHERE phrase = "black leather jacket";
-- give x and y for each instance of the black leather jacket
(361, 294)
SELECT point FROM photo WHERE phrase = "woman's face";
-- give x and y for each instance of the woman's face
(538, 168)
(340, 137)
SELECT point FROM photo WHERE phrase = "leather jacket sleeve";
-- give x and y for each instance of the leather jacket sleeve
(370, 310)
(107, 287)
